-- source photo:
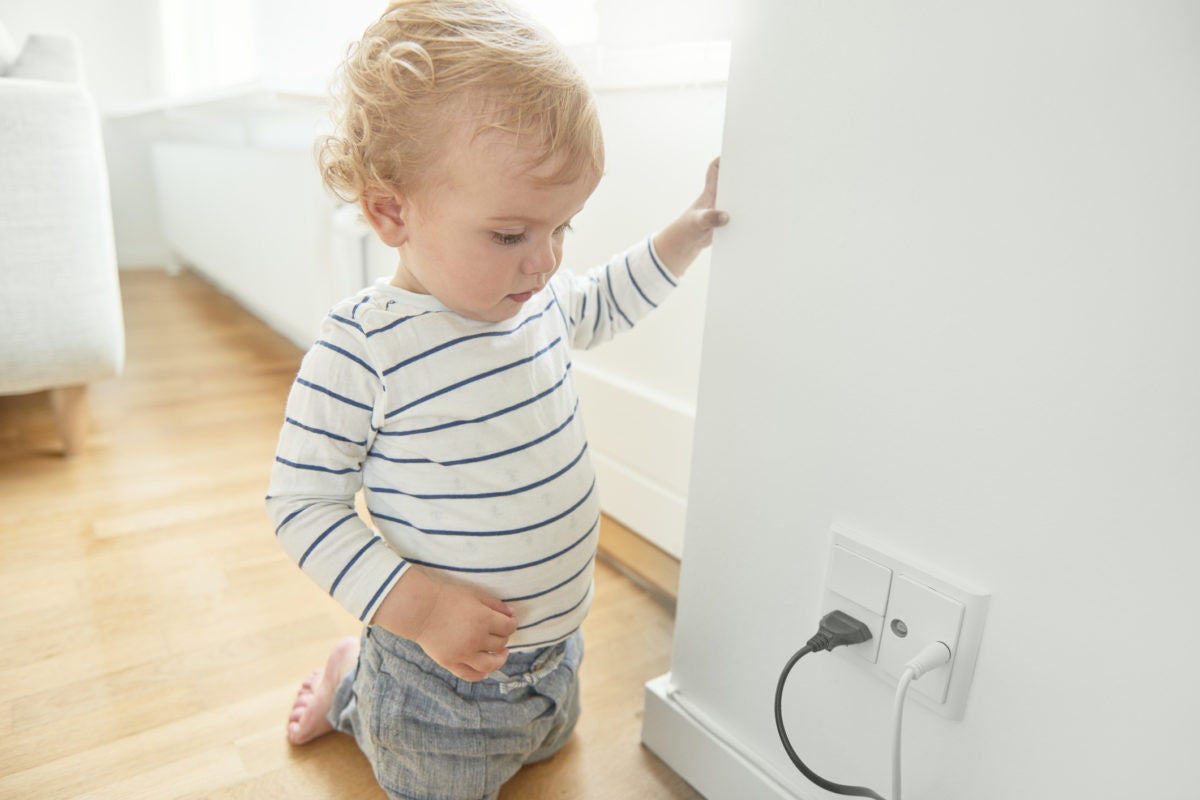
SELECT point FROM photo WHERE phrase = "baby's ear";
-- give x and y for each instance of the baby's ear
(385, 212)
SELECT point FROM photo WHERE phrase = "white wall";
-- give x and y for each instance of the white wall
(956, 309)
(118, 39)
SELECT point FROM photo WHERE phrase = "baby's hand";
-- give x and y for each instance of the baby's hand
(703, 213)
(679, 243)
(464, 630)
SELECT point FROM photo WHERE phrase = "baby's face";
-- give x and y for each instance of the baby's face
(485, 235)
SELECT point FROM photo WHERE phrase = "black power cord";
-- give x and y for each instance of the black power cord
(837, 629)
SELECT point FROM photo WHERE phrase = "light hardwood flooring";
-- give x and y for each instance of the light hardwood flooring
(154, 634)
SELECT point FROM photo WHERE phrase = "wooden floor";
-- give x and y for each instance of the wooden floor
(154, 634)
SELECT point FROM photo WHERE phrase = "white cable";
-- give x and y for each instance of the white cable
(933, 656)
(897, 723)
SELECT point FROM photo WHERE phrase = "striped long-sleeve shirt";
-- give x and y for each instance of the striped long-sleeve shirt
(467, 439)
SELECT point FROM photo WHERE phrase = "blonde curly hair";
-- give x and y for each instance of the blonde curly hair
(427, 67)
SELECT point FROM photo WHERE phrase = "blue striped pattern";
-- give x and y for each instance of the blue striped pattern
(466, 440)
(500, 412)
(477, 377)
(484, 530)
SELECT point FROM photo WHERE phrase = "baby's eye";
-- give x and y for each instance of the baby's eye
(564, 228)
(508, 238)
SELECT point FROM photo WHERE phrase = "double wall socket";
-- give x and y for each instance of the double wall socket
(906, 608)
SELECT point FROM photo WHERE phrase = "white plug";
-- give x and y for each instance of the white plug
(931, 657)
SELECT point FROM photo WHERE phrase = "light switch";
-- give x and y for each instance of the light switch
(859, 586)
(860, 579)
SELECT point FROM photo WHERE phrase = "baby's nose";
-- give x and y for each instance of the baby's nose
(543, 259)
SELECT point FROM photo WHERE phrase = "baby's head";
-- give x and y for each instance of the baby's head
(431, 75)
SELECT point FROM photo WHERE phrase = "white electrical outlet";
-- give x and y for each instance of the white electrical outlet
(907, 607)
(916, 616)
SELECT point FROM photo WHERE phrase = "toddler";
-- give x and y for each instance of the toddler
(470, 142)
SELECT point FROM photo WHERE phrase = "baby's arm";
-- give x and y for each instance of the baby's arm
(612, 297)
(464, 630)
(681, 241)
(323, 444)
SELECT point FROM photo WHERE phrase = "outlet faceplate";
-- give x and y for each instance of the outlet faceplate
(906, 607)
(916, 616)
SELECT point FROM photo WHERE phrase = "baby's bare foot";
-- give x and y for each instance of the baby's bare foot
(307, 720)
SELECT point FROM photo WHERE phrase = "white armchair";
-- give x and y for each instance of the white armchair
(61, 324)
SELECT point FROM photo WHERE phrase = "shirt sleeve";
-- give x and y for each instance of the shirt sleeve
(611, 298)
(329, 426)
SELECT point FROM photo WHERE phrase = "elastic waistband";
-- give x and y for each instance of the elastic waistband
(527, 667)
(523, 667)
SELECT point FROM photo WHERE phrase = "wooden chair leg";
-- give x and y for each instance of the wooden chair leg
(71, 416)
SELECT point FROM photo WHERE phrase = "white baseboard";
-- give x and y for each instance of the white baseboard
(641, 445)
(142, 256)
(701, 753)
(639, 504)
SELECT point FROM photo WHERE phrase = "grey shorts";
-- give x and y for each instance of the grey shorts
(432, 736)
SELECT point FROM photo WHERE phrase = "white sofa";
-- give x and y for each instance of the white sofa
(61, 324)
